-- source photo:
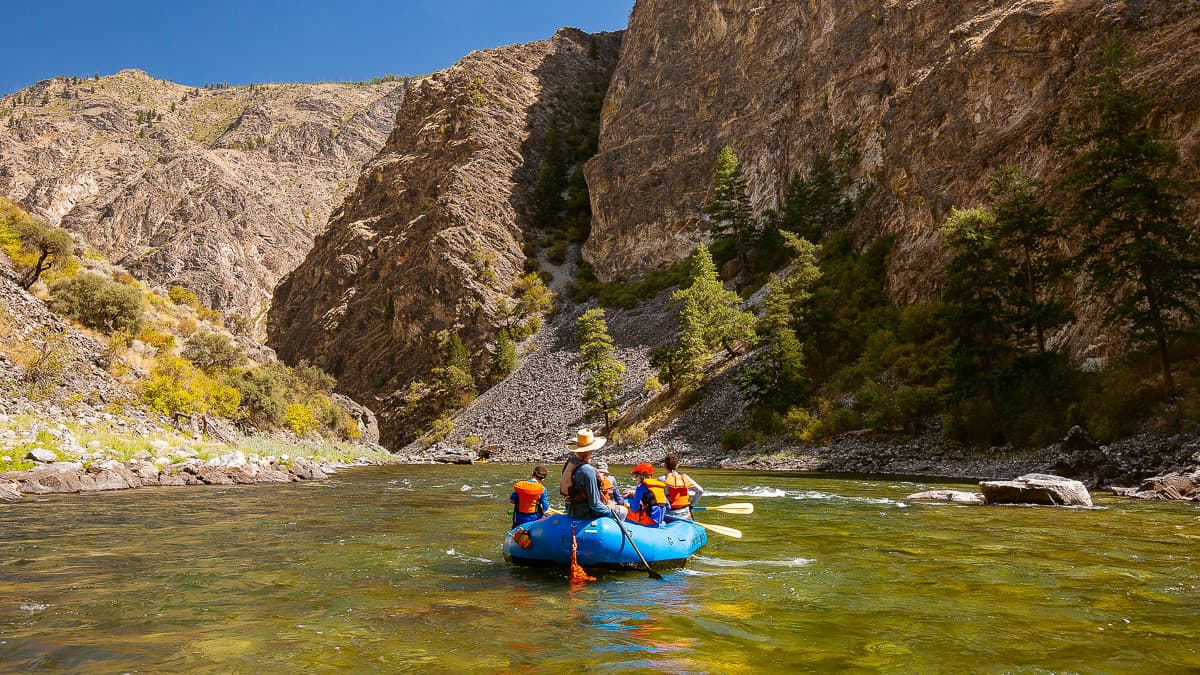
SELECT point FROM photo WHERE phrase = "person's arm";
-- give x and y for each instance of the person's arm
(513, 497)
(696, 490)
(591, 488)
(544, 501)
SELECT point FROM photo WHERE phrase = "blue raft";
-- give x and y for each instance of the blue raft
(601, 543)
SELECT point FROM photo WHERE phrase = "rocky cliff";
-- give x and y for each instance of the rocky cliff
(935, 93)
(431, 237)
(219, 190)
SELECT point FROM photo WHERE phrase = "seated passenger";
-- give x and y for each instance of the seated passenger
(682, 492)
(609, 494)
(530, 498)
(649, 502)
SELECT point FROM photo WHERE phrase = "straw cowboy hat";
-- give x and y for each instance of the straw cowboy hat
(586, 441)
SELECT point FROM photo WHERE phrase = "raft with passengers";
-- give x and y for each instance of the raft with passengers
(647, 528)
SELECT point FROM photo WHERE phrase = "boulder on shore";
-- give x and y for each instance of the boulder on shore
(454, 459)
(1175, 485)
(42, 456)
(1036, 488)
(9, 492)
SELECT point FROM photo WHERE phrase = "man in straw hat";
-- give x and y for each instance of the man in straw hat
(579, 485)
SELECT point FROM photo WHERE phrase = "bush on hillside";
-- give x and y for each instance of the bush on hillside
(98, 303)
(212, 351)
(176, 386)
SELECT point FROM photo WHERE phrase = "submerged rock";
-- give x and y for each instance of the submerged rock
(1036, 488)
(954, 496)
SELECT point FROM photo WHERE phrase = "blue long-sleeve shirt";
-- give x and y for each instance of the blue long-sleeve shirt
(585, 478)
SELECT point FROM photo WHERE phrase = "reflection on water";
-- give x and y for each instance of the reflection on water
(400, 569)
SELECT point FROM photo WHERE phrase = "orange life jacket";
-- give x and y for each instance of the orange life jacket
(606, 488)
(677, 490)
(654, 495)
(529, 495)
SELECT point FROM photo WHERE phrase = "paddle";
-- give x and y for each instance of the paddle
(741, 508)
(719, 529)
(653, 574)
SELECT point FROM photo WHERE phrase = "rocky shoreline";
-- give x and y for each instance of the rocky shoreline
(234, 468)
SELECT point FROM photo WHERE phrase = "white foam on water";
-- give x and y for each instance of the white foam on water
(687, 572)
(755, 491)
(451, 551)
(465, 488)
(721, 562)
(33, 607)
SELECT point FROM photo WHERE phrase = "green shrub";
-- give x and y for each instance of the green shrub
(441, 428)
(176, 386)
(472, 441)
(211, 351)
(266, 392)
(98, 303)
(183, 296)
(300, 419)
(734, 439)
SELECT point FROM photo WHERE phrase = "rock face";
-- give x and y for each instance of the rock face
(431, 237)
(218, 190)
(934, 93)
(1036, 488)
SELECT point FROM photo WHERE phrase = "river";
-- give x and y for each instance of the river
(399, 568)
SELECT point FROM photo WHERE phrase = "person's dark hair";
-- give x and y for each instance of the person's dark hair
(539, 472)
(671, 461)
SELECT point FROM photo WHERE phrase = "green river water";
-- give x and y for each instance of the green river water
(399, 569)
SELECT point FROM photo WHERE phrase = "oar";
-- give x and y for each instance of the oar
(719, 529)
(741, 508)
(653, 574)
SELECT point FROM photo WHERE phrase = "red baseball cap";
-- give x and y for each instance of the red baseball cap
(643, 468)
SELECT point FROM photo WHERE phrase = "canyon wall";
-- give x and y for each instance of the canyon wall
(431, 237)
(934, 93)
(219, 190)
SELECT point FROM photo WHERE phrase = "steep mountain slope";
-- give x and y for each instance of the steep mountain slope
(431, 238)
(935, 93)
(219, 190)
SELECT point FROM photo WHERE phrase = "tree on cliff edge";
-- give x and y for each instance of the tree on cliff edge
(1135, 246)
(729, 207)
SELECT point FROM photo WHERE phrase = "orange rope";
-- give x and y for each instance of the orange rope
(578, 574)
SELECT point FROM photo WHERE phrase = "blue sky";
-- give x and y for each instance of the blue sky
(275, 40)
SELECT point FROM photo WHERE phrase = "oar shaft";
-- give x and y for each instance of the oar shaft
(649, 569)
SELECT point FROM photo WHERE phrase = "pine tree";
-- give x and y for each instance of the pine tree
(775, 379)
(455, 381)
(729, 207)
(505, 358)
(1127, 210)
(599, 366)
(711, 312)
(973, 304)
(548, 202)
(1027, 234)
(820, 203)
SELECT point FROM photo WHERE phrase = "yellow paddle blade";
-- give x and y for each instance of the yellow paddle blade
(741, 508)
(721, 529)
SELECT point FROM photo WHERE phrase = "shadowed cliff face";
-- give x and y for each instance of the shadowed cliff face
(217, 190)
(431, 237)
(936, 93)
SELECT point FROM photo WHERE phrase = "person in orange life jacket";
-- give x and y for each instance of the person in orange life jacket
(579, 485)
(609, 494)
(648, 505)
(530, 498)
(682, 492)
